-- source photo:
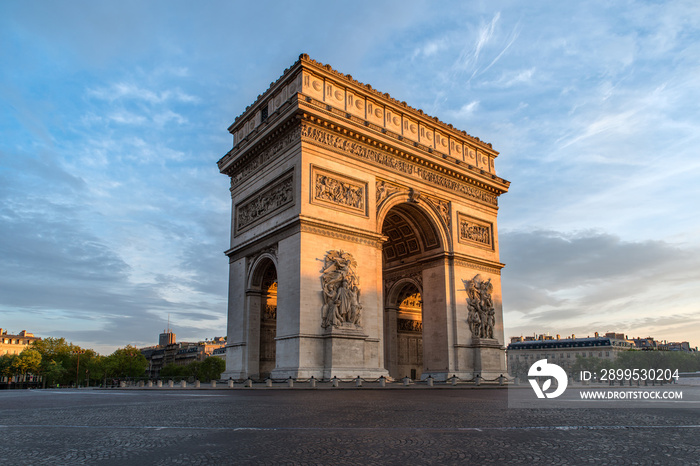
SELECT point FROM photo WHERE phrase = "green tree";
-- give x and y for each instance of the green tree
(58, 351)
(126, 362)
(54, 372)
(211, 368)
(172, 370)
(27, 362)
(192, 370)
(7, 365)
(95, 368)
(81, 361)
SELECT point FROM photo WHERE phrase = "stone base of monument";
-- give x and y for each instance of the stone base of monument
(489, 360)
(347, 352)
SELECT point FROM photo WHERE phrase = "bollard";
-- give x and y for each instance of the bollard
(502, 380)
(248, 383)
(430, 381)
(516, 381)
(213, 384)
(382, 381)
(312, 382)
(406, 381)
(358, 381)
(454, 379)
(230, 383)
(140, 383)
(183, 384)
(334, 381)
(170, 383)
(196, 384)
(268, 382)
(477, 380)
(159, 383)
(290, 382)
(122, 384)
(150, 383)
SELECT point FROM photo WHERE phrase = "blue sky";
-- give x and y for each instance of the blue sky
(113, 114)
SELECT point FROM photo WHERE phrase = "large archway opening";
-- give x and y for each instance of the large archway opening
(413, 239)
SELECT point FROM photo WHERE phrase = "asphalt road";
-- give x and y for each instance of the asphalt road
(56, 427)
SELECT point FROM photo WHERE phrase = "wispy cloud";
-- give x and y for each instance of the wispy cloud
(132, 91)
(115, 120)
(563, 282)
(512, 78)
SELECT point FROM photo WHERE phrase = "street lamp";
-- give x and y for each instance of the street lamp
(77, 369)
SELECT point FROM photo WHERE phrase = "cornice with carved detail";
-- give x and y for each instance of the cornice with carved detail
(363, 148)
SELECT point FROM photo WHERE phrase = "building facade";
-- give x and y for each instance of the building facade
(168, 351)
(524, 351)
(15, 344)
(363, 237)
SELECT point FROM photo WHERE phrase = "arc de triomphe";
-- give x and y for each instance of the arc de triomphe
(363, 237)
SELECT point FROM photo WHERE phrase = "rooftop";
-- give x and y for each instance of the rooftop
(304, 59)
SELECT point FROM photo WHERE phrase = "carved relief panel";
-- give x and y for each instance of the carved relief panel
(341, 291)
(482, 314)
(338, 191)
(265, 202)
(474, 231)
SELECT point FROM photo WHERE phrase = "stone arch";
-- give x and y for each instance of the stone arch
(394, 292)
(422, 210)
(257, 268)
(261, 310)
(413, 261)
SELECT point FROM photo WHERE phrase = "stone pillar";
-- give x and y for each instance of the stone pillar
(236, 347)
(391, 344)
(437, 322)
(253, 308)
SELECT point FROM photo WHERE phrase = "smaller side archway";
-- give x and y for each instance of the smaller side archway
(261, 309)
(403, 324)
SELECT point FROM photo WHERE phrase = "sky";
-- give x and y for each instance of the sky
(114, 217)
